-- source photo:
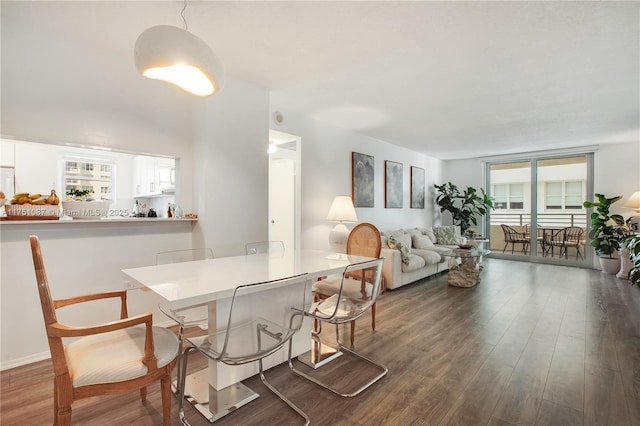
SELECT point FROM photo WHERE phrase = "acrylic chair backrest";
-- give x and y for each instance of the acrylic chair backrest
(272, 248)
(350, 308)
(262, 317)
(186, 255)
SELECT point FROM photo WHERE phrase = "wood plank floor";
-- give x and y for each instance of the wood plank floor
(532, 345)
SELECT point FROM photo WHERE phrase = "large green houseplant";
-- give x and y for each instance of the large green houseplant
(466, 206)
(607, 231)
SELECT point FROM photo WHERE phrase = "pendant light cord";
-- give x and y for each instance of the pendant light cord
(184, 19)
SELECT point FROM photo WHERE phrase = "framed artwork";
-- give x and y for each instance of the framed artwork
(392, 184)
(362, 173)
(417, 188)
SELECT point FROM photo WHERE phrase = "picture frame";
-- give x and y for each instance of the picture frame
(362, 179)
(393, 185)
(417, 187)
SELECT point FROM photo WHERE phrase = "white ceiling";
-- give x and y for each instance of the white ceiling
(448, 79)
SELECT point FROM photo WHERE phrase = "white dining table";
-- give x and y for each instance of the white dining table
(212, 282)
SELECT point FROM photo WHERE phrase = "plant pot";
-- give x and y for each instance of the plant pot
(610, 265)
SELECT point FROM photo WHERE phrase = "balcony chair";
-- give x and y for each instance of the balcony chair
(565, 238)
(526, 228)
(115, 357)
(187, 317)
(341, 308)
(364, 240)
(513, 237)
(253, 334)
(273, 248)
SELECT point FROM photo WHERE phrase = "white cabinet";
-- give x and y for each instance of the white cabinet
(153, 176)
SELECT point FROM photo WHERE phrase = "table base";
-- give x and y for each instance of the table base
(214, 404)
(319, 355)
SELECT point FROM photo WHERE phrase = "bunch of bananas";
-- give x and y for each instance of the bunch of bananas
(36, 199)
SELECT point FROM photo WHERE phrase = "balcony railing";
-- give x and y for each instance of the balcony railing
(559, 220)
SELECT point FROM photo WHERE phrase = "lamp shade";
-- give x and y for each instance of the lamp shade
(342, 210)
(176, 56)
(633, 202)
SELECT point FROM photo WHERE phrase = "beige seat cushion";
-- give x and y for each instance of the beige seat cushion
(430, 257)
(415, 263)
(351, 289)
(117, 356)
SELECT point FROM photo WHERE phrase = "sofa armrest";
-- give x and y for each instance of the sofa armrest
(391, 268)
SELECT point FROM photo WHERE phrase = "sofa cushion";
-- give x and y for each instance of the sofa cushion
(430, 257)
(413, 263)
(421, 241)
(405, 250)
(444, 249)
(429, 233)
(449, 235)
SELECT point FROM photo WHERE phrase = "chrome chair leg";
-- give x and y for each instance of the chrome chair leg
(281, 396)
(182, 377)
(342, 348)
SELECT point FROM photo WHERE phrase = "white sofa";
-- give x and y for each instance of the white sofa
(423, 257)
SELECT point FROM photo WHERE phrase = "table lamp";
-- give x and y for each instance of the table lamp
(341, 211)
(633, 202)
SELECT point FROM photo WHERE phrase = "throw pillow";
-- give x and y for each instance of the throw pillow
(448, 235)
(429, 233)
(421, 241)
(404, 250)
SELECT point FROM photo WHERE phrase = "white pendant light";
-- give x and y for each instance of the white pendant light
(176, 56)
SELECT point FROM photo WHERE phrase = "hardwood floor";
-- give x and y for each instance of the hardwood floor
(532, 344)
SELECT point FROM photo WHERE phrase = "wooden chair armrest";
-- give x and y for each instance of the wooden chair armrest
(60, 330)
(122, 294)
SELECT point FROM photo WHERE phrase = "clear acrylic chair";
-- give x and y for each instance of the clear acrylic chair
(341, 308)
(273, 248)
(187, 317)
(262, 318)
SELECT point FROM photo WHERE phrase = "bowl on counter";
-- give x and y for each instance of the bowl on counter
(86, 209)
(32, 211)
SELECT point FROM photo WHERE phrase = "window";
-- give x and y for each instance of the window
(93, 175)
(566, 195)
(508, 196)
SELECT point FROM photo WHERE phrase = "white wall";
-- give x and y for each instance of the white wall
(326, 172)
(231, 168)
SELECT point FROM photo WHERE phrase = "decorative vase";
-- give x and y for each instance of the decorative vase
(625, 263)
(610, 265)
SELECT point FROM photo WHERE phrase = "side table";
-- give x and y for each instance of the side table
(465, 266)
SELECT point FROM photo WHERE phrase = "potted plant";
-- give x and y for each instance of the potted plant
(606, 232)
(80, 204)
(633, 244)
(465, 207)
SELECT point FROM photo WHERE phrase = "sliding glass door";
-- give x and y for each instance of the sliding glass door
(538, 211)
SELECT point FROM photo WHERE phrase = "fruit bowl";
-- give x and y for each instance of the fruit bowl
(86, 209)
(32, 211)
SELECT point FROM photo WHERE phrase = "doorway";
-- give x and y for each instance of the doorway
(284, 189)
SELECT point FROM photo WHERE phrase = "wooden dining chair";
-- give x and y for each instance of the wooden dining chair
(116, 357)
(364, 240)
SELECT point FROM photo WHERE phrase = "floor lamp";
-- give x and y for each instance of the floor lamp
(341, 211)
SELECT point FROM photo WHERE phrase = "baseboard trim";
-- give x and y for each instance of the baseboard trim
(25, 360)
